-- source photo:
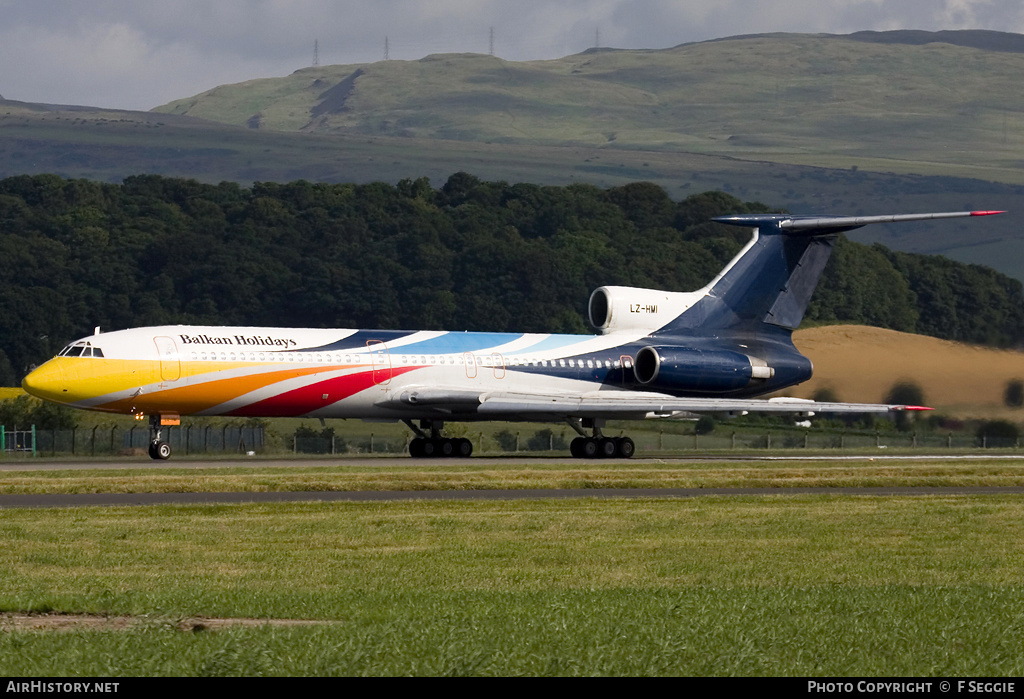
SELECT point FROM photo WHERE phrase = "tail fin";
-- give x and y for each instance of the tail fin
(772, 279)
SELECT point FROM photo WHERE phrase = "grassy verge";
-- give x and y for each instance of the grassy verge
(493, 474)
(803, 585)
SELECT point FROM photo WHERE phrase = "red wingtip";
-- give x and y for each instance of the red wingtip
(916, 407)
(986, 213)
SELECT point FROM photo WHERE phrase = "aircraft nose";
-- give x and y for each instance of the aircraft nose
(46, 382)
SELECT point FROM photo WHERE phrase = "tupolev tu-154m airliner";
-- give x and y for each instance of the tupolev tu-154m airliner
(656, 354)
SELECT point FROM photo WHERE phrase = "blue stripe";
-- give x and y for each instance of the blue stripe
(454, 343)
(357, 340)
(554, 342)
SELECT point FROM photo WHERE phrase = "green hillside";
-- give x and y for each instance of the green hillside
(825, 100)
(860, 124)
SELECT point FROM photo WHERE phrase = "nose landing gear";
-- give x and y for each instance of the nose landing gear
(159, 449)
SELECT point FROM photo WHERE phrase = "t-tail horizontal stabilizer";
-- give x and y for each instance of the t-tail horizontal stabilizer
(835, 224)
(770, 283)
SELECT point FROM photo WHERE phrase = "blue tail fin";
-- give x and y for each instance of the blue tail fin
(767, 287)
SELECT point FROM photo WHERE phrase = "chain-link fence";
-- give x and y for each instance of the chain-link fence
(116, 441)
(209, 439)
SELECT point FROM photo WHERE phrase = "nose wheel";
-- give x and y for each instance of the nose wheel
(158, 449)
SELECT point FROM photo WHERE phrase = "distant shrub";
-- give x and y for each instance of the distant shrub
(705, 425)
(1013, 396)
(826, 394)
(544, 440)
(904, 393)
(506, 440)
(26, 410)
(998, 433)
(310, 441)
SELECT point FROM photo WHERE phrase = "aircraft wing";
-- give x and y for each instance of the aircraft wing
(453, 403)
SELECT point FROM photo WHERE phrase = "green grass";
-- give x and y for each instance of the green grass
(751, 586)
(500, 474)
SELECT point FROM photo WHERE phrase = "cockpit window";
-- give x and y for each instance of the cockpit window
(81, 349)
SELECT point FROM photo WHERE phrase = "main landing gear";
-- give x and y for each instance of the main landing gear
(433, 445)
(598, 446)
(429, 443)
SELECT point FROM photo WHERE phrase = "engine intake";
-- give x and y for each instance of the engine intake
(701, 371)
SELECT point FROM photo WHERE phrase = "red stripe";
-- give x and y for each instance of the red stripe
(307, 399)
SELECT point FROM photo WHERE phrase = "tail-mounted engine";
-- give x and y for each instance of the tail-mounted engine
(615, 308)
(674, 369)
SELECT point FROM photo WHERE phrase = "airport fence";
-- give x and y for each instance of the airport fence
(116, 441)
(30, 441)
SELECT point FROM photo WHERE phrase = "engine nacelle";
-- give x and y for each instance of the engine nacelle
(615, 308)
(674, 369)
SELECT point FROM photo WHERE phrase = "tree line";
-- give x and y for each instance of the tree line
(469, 255)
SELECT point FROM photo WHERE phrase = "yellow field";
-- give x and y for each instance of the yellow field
(861, 364)
(10, 393)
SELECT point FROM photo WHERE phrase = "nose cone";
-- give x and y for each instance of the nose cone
(47, 382)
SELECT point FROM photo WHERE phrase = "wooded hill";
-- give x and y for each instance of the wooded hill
(866, 123)
(471, 255)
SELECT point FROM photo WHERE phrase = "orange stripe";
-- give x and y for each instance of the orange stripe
(192, 399)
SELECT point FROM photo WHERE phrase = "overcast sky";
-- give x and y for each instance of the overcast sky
(137, 54)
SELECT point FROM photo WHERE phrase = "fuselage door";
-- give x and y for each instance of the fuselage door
(170, 361)
(471, 368)
(498, 362)
(380, 360)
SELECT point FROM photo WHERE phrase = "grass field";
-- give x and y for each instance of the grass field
(771, 585)
(335, 475)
